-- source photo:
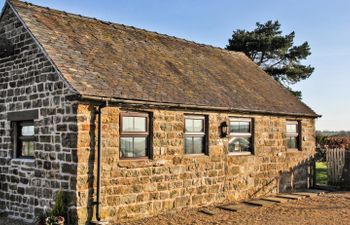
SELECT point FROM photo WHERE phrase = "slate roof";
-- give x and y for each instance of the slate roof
(112, 60)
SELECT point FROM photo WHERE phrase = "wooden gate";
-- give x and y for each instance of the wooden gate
(335, 166)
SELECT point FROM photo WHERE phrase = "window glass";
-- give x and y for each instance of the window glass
(244, 127)
(292, 142)
(140, 124)
(127, 146)
(128, 123)
(198, 125)
(195, 136)
(198, 145)
(188, 145)
(234, 127)
(27, 130)
(291, 128)
(292, 134)
(239, 127)
(239, 144)
(24, 138)
(240, 135)
(134, 136)
(140, 144)
(194, 125)
(27, 148)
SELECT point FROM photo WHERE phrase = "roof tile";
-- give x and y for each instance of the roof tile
(112, 60)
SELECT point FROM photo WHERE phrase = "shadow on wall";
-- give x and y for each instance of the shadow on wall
(91, 165)
(299, 176)
(73, 217)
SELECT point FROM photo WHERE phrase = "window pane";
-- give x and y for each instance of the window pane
(194, 145)
(244, 127)
(126, 147)
(133, 147)
(27, 148)
(140, 144)
(189, 125)
(188, 145)
(197, 145)
(292, 128)
(234, 127)
(239, 144)
(292, 142)
(198, 126)
(194, 125)
(27, 130)
(140, 124)
(128, 124)
(239, 127)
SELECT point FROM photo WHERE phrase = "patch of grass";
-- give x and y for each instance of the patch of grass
(321, 173)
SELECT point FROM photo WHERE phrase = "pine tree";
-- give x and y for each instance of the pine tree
(274, 52)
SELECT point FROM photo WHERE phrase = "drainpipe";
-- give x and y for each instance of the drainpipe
(99, 156)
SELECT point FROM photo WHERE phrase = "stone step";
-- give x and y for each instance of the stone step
(228, 208)
(275, 199)
(260, 202)
(207, 211)
(237, 207)
(290, 196)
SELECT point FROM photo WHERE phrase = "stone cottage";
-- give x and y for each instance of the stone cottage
(132, 123)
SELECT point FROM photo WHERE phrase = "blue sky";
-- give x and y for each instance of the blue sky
(324, 24)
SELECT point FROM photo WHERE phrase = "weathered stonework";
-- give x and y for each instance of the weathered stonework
(173, 180)
(65, 150)
(29, 81)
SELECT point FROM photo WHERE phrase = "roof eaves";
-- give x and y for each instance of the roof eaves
(188, 106)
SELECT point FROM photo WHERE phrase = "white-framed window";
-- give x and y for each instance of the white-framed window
(240, 136)
(195, 134)
(135, 135)
(293, 135)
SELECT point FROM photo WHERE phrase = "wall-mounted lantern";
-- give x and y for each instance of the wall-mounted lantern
(6, 48)
(223, 129)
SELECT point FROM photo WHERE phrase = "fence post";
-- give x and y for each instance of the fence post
(313, 172)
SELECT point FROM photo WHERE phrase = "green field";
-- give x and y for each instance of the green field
(321, 173)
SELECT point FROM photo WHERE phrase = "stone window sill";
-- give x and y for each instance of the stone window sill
(240, 154)
(135, 162)
(27, 162)
(22, 160)
(293, 150)
(195, 155)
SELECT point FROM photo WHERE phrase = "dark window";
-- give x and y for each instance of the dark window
(293, 134)
(195, 135)
(134, 135)
(240, 135)
(24, 139)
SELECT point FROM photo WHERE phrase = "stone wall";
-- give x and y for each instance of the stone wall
(173, 180)
(65, 152)
(29, 81)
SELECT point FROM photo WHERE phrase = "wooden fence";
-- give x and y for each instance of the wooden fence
(335, 166)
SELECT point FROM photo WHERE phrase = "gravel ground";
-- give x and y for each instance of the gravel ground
(331, 208)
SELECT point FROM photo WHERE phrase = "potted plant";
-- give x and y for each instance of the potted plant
(55, 220)
(57, 214)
